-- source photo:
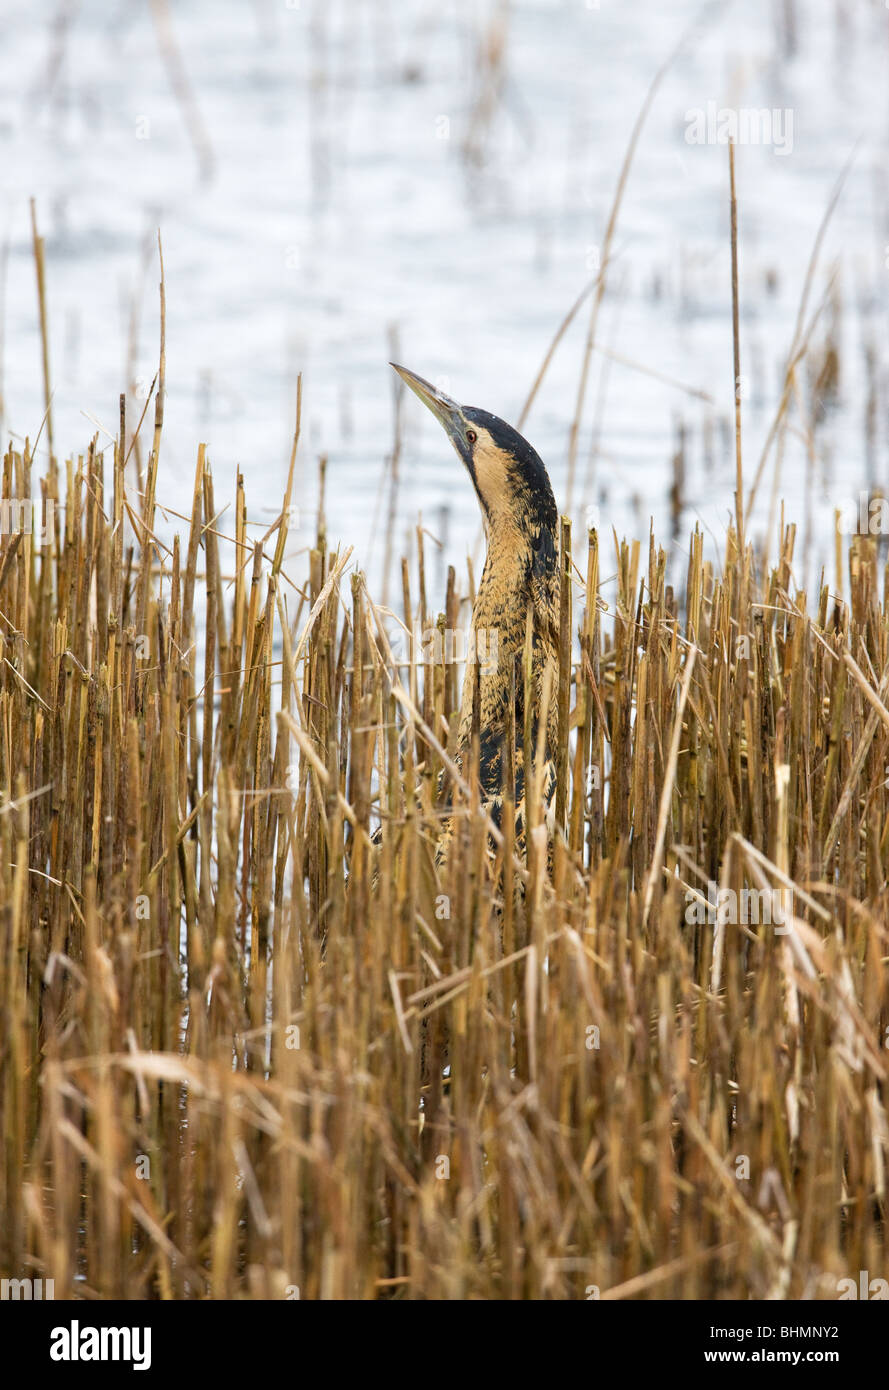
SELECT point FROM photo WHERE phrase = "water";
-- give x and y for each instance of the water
(337, 207)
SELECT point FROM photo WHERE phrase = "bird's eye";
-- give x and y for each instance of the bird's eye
(471, 436)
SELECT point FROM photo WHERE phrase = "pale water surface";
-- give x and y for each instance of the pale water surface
(320, 198)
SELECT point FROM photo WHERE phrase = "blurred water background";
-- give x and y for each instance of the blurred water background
(338, 181)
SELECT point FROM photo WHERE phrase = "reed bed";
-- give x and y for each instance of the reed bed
(250, 1048)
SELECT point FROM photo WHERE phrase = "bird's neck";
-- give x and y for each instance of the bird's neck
(507, 590)
(504, 576)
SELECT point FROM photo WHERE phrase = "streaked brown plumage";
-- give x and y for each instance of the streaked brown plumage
(520, 577)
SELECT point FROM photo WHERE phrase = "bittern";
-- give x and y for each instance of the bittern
(520, 577)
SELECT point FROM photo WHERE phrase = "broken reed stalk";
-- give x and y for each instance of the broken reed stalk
(736, 350)
(223, 1002)
(40, 268)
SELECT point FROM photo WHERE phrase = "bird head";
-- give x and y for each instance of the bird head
(509, 477)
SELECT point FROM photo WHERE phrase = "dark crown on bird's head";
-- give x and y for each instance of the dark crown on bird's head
(509, 476)
(505, 468)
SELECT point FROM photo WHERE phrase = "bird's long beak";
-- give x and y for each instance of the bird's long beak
(446, 411)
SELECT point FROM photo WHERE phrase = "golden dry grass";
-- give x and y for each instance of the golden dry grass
(222, 1004)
